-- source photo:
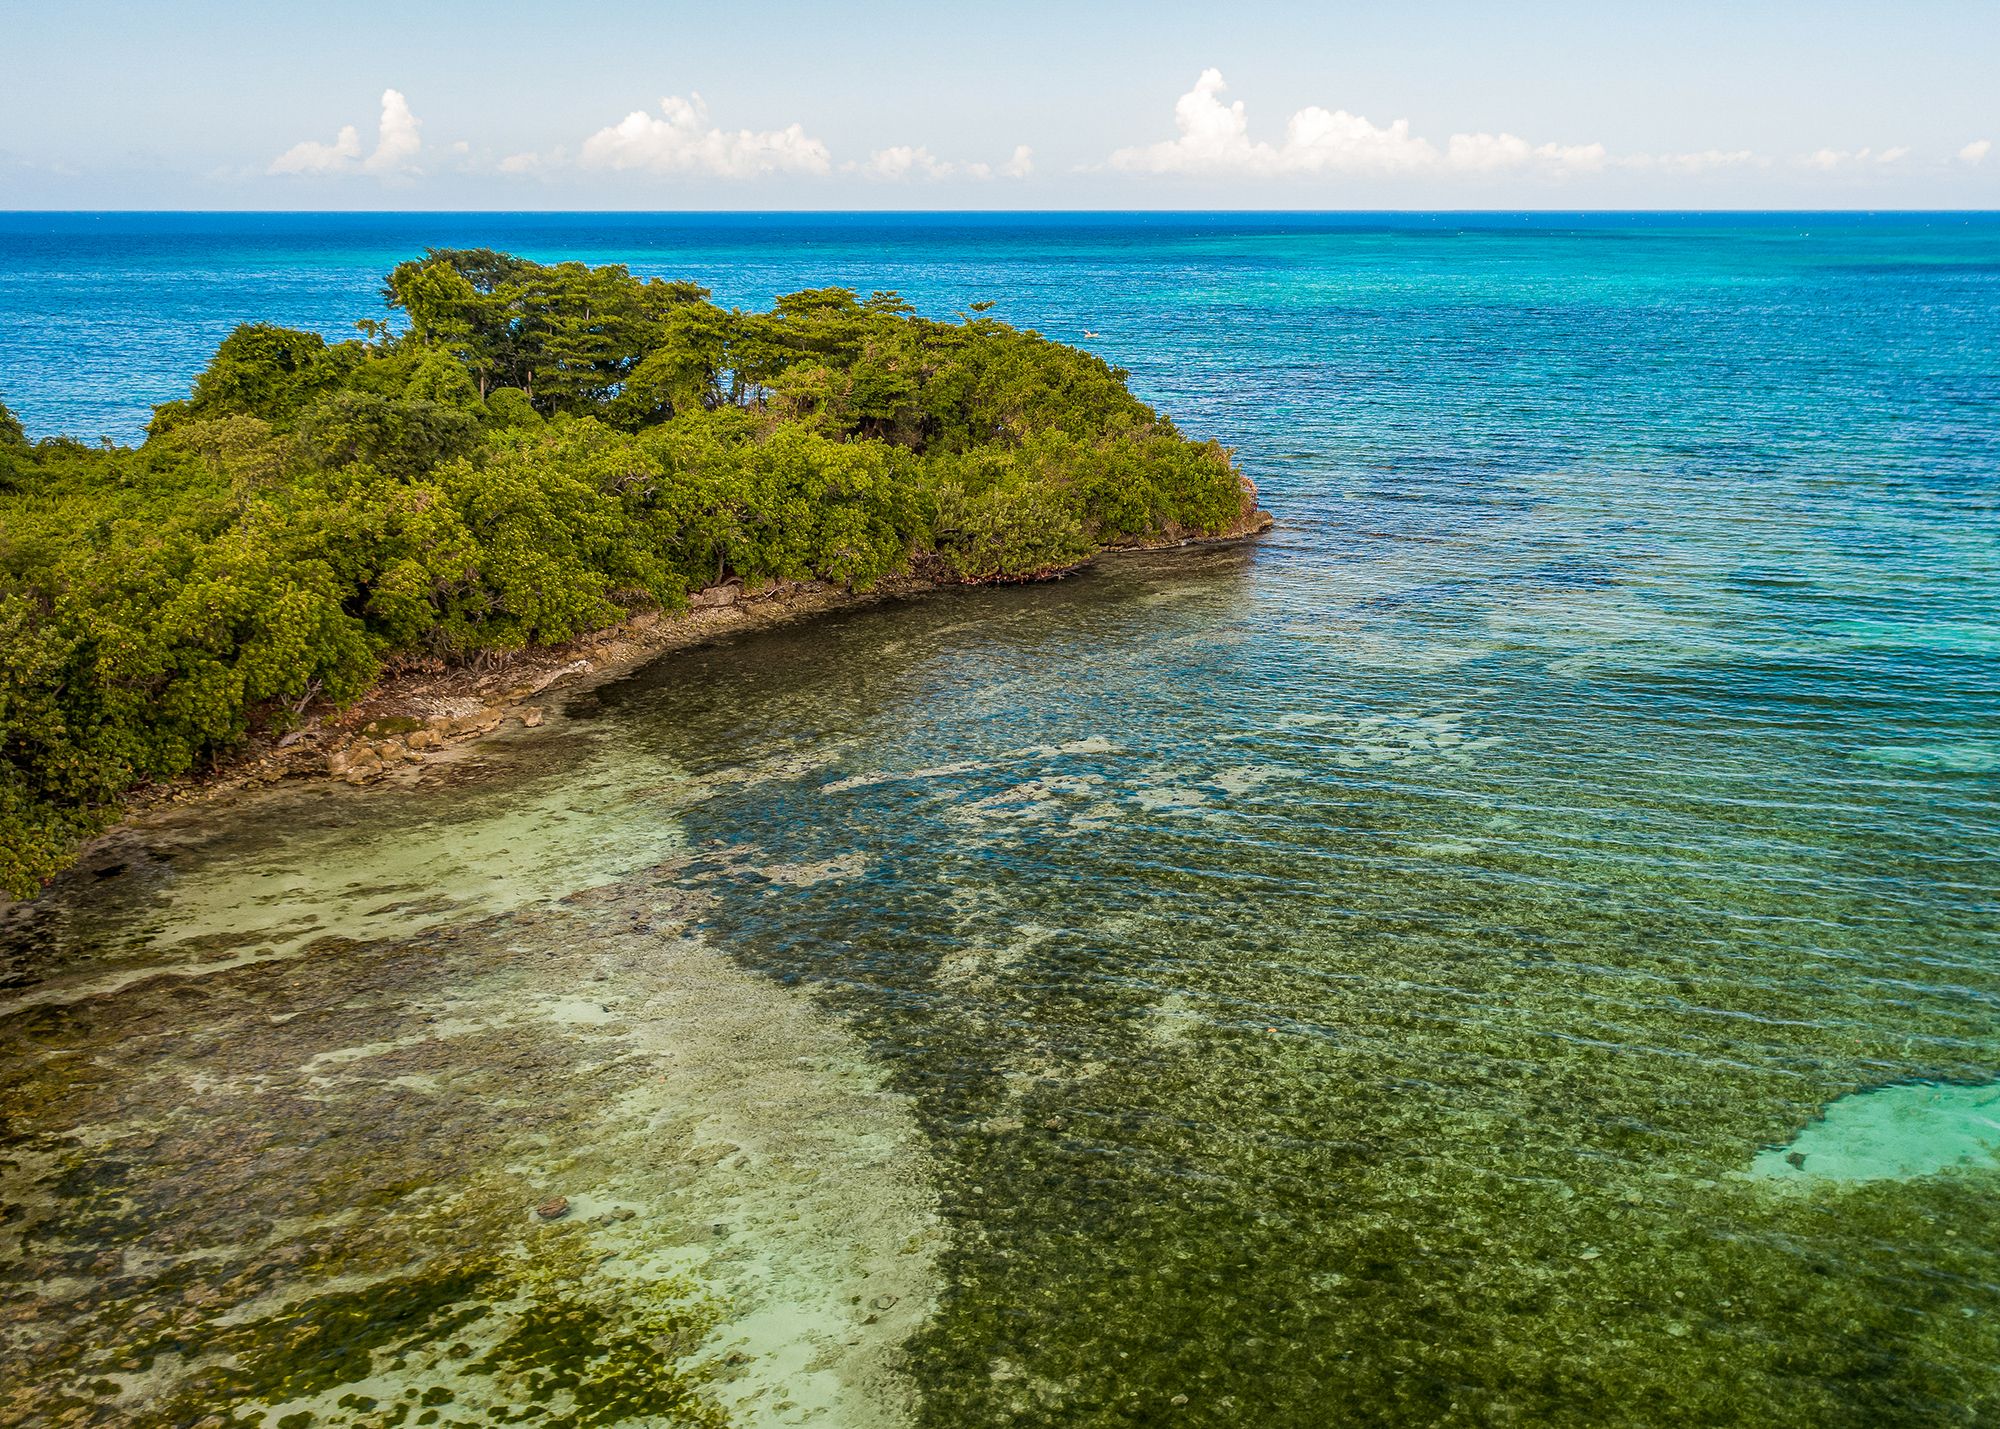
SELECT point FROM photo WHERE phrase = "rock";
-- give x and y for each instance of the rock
(553, 1209)
(574, 667)
(883, 1302)
(717, 596)
(357, 765)
(425, 739)
(1178, 1400)
(479, 722)
(531, 716)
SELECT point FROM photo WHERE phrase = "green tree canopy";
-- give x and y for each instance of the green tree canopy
(527, 452)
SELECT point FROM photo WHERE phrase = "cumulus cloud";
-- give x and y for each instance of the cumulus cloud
(397, 140)
(1214, 138)
(530, 163)
(1828, 160)
(901, 161)
(1975, 152)
(1019, 166)
(1487, 152)
(1704, 161)
(680, 140)
(309, 157)
(397, 143)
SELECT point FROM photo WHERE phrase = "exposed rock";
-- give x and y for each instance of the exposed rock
(481, 722)
(717, 596)
(553, 1209)
(575, 667)
(531, 716)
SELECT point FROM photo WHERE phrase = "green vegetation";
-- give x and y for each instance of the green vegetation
(542, 450)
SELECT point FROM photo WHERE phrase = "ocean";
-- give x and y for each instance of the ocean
(1520, 943)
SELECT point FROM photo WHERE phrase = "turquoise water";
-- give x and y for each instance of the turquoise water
(1887, 1133)
(1374, 976)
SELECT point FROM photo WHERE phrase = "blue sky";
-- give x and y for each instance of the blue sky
(506, 105)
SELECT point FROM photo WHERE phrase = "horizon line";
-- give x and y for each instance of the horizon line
(968, 212)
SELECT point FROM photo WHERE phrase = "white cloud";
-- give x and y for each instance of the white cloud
(1019, 166)
(397, 143)
(901, 161)
(528, 163)
(308, 157)
(1700, 162)
(1485, 153)
(1828, 160)
(1975, 152)
(1215, 138)
(684, 142)
(1334, 141)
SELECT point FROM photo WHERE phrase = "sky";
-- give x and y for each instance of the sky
(509, 106)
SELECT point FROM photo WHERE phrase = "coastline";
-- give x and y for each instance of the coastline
(418, 718)
(737, 1178)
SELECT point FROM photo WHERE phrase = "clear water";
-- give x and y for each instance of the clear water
(1915, 1129)
(1354, 979)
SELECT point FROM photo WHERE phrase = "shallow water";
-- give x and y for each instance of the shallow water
(1888, 1133)
(1362, 978)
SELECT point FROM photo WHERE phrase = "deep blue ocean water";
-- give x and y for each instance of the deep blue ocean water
(1373, 977)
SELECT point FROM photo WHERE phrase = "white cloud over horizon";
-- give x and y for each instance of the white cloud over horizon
(1214, 139)
(905, 161)
(397, 144)
(902, 161)
(1702, 162)
(1829, 160)
(680, 140)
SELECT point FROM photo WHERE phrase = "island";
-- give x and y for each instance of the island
(528, 453)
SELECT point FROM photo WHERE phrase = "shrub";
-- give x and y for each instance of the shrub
(546, 449)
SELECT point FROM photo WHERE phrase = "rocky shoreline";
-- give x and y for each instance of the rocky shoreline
(425, 715)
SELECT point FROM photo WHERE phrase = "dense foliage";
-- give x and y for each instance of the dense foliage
(540, 451)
